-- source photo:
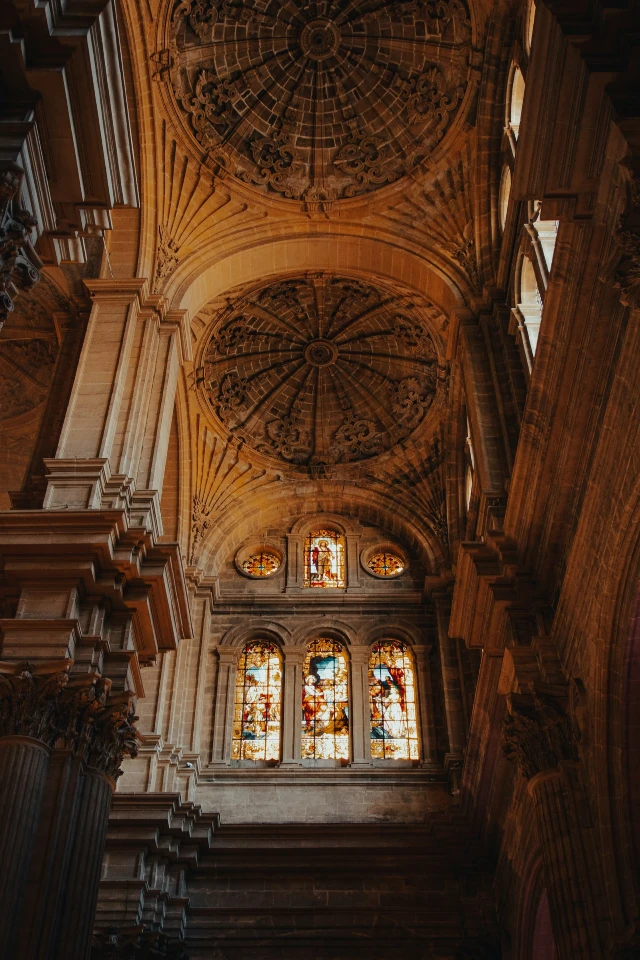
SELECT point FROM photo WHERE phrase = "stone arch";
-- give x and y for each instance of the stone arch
(242, 634)
(331, 627)
(213, 273)
(406, 633)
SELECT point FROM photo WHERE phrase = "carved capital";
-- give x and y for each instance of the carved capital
(29, 698)
(538, 733)
(96, 726)
(78, 714)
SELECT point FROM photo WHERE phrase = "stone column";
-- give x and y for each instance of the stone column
(426, 717)
(225, 695)
(27, 721)
(50, 900)
(538, 736)
(360, 715)
(292, 705)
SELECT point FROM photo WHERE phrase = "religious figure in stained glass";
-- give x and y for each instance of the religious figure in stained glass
(324, 559)
(325, 702)
(262, 564)
(258, 703)
(385, 564)
(392, 697)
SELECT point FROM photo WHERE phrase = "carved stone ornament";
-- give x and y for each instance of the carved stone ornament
(321, 369)
(78, 713)
(318, 102)
(538, 733)
(19, 263)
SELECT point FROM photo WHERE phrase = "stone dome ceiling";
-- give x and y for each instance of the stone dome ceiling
(319, 101)
(321, 369)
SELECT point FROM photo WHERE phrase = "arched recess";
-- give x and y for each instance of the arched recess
(279, 502)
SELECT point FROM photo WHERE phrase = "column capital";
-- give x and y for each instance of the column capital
(77, 714)
(537, 732)
(228, 654)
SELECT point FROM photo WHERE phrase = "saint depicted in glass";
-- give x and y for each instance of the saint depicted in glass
(392, 696)
(385, 564)
(324, 559)
(325, 702)
(261, 564)
(258, 704)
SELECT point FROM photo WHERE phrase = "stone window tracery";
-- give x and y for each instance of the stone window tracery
(392, 700)
(325, 701)
(258, 703)
(263, 563)
(324, 559)
(385, 563)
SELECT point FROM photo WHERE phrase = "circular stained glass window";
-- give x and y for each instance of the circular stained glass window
(262, 564)
(384, 564)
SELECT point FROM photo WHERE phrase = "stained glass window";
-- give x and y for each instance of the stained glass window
(258, 704)
(392, 698)
(325, 702)
(324, 559)
(385, 564)
(261, 564)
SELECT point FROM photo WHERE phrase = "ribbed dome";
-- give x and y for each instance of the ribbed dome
(321, 370)
(319, 101)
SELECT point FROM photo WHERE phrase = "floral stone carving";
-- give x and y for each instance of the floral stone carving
(41, 701)
(537, 733)
(318, 104)
(321, 369)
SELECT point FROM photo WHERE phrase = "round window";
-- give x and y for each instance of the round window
(384, 563)
(262, 564)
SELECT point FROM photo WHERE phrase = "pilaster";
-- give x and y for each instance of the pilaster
(292, 704)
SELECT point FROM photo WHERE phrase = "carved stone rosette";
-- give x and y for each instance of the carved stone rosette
(77, 714)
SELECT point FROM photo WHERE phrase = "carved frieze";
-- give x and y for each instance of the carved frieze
(316, 105)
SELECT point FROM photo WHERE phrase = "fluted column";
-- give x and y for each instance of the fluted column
(539, 738)
(27, 727)
(59, 808)
(23, 774)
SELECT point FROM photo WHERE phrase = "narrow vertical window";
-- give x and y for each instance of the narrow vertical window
(325, 702)
(392, 698)
(324, 559)
(258, 703)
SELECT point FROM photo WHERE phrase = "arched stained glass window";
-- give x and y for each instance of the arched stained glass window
(258, 703)
(392, 698)
(325, 702)
(324, 559)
